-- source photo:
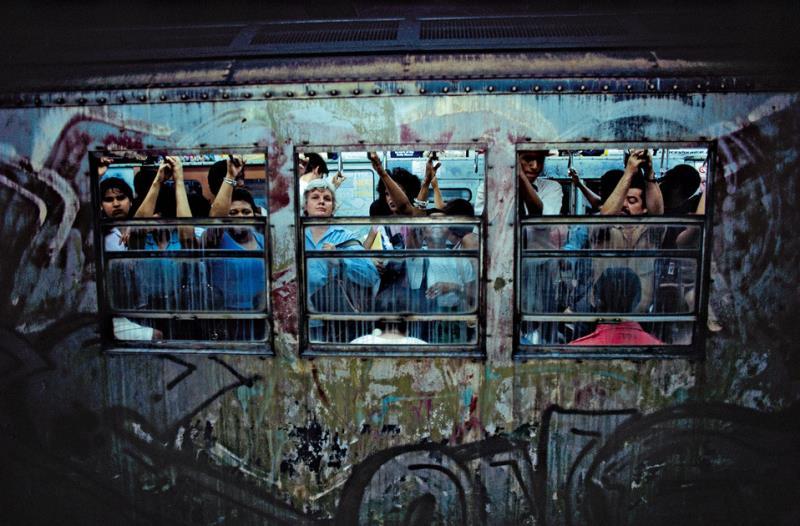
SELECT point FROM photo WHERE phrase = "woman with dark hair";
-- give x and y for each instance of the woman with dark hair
(116, 200)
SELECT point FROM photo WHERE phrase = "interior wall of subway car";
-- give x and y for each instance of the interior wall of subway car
(190, 364)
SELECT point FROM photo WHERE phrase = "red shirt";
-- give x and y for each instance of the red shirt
(623, 333)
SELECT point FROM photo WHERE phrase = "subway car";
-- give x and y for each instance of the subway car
(401, 265)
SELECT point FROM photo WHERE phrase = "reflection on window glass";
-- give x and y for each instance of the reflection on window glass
(203, 280)
(630, 181)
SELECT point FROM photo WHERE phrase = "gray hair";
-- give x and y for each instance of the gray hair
(320, 184)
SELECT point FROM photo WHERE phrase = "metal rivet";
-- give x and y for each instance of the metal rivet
(37, 101)
(699, 86)
(422, 91)
(356, 91)
(583, 88)
(467, 89)
(122, 99)
(445, 89)
(142, 98)
(605, 87)
(226, 95)
(722, 86)
(305, 142)
(334, 92)
(60, 100)
(162, 97)
(204, 96)
(559, 88)
(528, 139)
(312, 93)
(490, 89)
(400, 91)
(184, 96)
(247, 94)
(536, 88)
(675, 87)
(81, 100)
(290, 93)
(628, 87)
(377, 91)
(101, 100)
(651, 86)
(513, 88)
(267, 94)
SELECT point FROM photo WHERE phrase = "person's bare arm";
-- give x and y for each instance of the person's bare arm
(430, 178)
(615, 201)
(590, 196)
(404, 206)
(182, 209)
(222, 201)
(148, 206)
(652, 192)
(532, 201)
(689, 235)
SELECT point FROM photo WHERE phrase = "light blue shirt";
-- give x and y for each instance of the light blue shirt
(359, 270)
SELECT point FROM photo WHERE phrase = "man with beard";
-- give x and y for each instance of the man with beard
(636, 194)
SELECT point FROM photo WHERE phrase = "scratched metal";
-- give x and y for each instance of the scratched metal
(283, 440)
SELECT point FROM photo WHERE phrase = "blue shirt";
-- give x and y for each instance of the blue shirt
(239, 281)
(359, 270)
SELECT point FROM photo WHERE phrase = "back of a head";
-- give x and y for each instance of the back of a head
(216, 173)
(608, 181)
(143, 179)
(314, 161)
(678, 186)
(460, 207)
(618, 289)
(379, 208)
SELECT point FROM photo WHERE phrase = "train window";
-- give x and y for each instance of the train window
(612, 250)
(391, 251)
(182, 250)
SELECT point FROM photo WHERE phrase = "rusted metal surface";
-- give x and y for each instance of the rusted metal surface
(240, 439)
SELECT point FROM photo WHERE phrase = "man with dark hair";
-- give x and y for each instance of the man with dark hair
(537, 196)
(313, 166)
(618, 291)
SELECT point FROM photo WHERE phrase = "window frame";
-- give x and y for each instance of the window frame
(698, 315)
(310, 349)
(106, 313)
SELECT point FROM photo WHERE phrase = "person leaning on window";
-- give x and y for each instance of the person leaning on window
(329, 281)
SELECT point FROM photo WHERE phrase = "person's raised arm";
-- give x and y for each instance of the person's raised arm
(615, 201)
(222, 201)
(431, 179)
(590, 196)
(148, 206)
(532, 201)
(652, 192)
(404, 206)
(182, 209)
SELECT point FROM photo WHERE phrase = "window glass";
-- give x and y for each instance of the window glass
(628, 271)
(391, 247)
(183, 244)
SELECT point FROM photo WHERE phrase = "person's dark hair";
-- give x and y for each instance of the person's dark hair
(216, 173)
(379, 208)
(199, 205)
(608, 181)
(459, 207)
(240, 194)
(678, 186)
(392, 303)
(166, 204)
(117, 184)
(409, 182)
(618, 289)
(143, 179)
(315, 160)
(638, 181)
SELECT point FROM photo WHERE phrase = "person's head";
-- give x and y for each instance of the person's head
(315, 164)
(319, 199)
(531, 163)
(116, 198)
(143, 179)
(242, 204)
(618, 289)
(409, 182)
(396, 303)
(198, 204)
(608, 181)
(459, 207)
(634, 203)
(678, 186)
(435, 236)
